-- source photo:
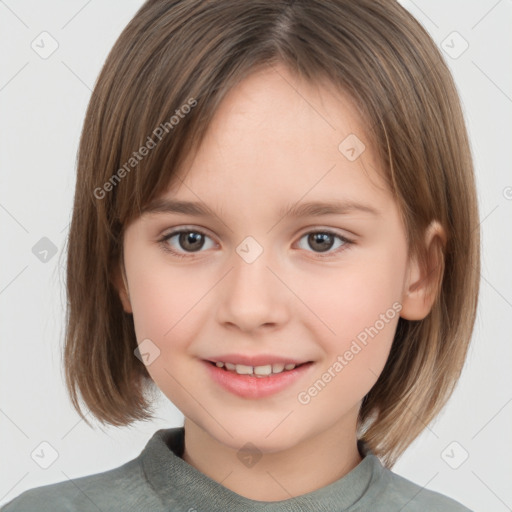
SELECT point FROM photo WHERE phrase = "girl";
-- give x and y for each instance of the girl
(259, 132)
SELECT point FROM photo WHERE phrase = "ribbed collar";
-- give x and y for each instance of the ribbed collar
(178, 483)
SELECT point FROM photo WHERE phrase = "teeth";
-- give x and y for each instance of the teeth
(241, 369)
(263, 370)
(259, 371)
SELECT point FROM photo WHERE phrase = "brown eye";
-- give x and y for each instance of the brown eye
(323, 241)
(190, 240)
(320, 241)
(186, 241)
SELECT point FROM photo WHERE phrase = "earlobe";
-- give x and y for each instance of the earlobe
(424, 279)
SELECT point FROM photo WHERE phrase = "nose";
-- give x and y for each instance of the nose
(253, 295)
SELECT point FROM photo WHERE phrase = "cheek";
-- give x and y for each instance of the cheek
(165, 303)
(163, 298)
(359, 304)
(361, 310)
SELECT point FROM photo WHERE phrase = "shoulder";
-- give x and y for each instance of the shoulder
(408, 496)
(120, 488)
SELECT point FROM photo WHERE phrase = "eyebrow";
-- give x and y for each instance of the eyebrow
(308, 209)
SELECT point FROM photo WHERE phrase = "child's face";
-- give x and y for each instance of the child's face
(273, 144)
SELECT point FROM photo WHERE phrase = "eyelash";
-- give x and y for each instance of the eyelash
(347, 243)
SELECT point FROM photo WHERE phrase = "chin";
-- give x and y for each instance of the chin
(268, 436)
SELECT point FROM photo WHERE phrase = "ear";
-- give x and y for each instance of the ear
(121, 284)
(423, 281)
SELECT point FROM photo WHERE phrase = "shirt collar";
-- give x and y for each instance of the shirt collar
(177, 482)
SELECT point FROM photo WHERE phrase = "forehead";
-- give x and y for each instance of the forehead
(275, 135)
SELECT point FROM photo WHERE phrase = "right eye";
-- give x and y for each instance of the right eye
(189, 240)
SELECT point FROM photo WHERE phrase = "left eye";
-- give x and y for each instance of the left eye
(191, 241)
(325, 240)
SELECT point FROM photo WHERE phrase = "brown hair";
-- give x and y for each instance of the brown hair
(174, 53)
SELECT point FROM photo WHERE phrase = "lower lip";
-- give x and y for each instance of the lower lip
(248, 386)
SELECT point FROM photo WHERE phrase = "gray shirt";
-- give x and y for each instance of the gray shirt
(160, 480)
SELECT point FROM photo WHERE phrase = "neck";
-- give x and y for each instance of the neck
(312, 464)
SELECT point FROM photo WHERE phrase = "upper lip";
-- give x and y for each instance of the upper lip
(255, 360)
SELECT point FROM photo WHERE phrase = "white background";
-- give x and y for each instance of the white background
(43, 104)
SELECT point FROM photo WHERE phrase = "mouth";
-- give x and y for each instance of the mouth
(260, 371)
(260, 379)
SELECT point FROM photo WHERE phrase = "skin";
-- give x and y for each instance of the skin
(274, 141)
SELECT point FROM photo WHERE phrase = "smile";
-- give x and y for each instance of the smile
(258, 371)
(258, 381)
